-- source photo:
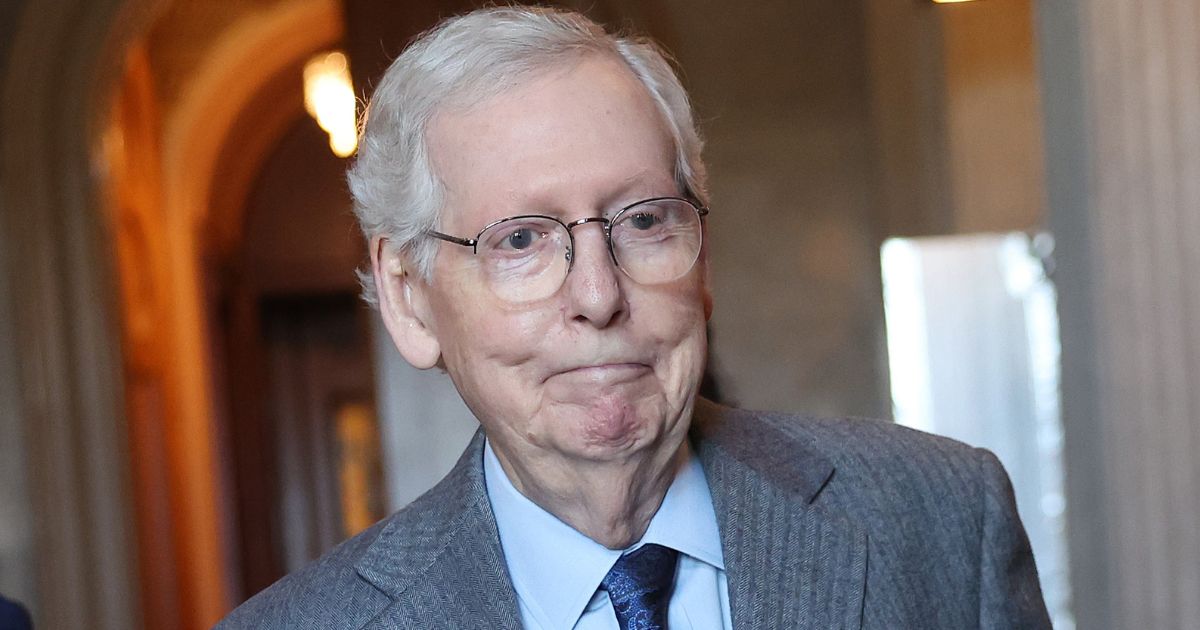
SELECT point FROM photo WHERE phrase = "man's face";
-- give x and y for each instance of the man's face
(605, 367)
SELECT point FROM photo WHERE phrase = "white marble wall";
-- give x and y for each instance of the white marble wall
(1122, 85)
(423, 423)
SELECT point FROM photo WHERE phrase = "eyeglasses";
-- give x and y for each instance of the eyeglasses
(527, 258)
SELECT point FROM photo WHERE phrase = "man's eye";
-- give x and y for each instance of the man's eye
(644, 220)
(519, 239)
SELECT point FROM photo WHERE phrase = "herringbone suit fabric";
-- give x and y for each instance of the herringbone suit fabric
(825, 523)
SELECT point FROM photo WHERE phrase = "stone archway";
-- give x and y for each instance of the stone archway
(168, 274)
(127, 503)
(66, 327)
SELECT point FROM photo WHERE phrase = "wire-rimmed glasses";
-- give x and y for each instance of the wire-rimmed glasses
(527, 257)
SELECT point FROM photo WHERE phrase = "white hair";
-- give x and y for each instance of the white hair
(463, 61)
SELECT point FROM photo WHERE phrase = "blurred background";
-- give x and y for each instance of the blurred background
(977, 218)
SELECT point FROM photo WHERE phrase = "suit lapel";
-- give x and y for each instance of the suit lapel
(790, 562)
(441, 561)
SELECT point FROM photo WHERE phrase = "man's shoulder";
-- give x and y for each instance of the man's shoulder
(862, 456)
(339, 588)
(853, 441)
(325, 593)
(844, 440)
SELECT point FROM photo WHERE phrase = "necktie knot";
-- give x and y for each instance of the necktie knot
(639, 585)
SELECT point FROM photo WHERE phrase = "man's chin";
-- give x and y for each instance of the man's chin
(616, 427)
(611, 426)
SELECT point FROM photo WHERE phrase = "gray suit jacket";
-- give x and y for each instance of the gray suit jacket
(824, 524)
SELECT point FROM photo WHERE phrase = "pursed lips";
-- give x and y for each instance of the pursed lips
(603, 372)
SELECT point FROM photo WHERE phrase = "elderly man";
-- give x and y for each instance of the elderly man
(534, 198)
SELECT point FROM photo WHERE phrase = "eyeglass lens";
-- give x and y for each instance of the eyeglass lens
(528, 258)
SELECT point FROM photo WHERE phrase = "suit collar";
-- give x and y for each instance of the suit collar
(440, 559)
(781, 459)
(415, 537)
(790, 561)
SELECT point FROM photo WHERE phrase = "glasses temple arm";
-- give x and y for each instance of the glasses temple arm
(465, 242)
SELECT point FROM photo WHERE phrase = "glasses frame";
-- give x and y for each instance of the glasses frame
(473, 243)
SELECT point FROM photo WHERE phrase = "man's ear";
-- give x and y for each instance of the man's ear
(403, 306)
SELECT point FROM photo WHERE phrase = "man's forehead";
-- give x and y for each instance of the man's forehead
(549, 126)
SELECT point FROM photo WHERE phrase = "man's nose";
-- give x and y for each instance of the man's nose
(593, 285)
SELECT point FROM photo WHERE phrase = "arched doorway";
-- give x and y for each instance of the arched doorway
(117, 212)
(188, 158)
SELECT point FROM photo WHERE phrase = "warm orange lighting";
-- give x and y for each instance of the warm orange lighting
(329, 98)
(950, 1)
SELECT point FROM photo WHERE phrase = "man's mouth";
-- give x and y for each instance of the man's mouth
(608, 373)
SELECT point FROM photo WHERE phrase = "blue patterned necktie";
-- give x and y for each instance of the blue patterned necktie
(639, 585)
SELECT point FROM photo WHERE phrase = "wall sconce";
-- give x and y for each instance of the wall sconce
(329, 98)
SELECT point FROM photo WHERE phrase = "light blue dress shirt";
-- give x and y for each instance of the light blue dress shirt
(556, 571)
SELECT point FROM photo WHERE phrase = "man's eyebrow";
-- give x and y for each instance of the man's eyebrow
(645, 184)
(641, 185)
(637, 179)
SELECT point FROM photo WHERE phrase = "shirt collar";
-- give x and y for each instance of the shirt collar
(555, 570)
(686, 520)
